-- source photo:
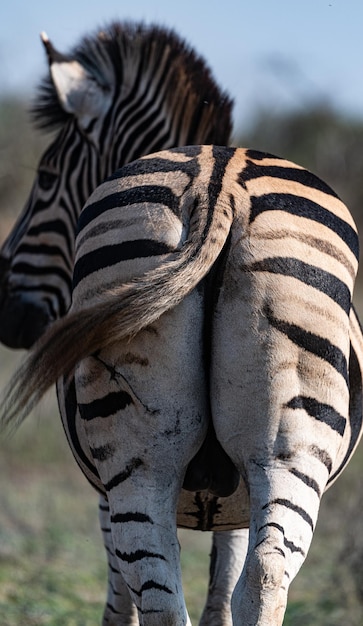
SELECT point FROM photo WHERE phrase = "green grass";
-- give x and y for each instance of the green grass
(52, 566)
(52, 562)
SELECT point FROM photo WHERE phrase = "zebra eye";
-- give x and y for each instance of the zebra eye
(46, 180)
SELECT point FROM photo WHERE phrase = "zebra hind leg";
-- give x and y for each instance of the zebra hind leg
(284, 509)
(229, 550)
(119, 609)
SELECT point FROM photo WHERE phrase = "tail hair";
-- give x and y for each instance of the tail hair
(119, 314)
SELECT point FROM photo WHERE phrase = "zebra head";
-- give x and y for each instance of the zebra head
(124, 92)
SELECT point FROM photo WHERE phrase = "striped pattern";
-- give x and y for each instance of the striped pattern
(254, 306)
(135, 90)
(149, 91)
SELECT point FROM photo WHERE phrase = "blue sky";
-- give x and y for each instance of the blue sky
(272, 53)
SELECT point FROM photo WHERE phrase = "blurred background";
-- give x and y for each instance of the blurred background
(294, 71)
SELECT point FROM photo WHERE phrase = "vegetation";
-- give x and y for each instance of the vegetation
(52, 563)
(20, 147)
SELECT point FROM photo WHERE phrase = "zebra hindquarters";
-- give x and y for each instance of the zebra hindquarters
(142, 407)
(279, 404)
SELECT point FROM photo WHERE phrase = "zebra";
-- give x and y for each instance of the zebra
(250, 281)
(122, 92)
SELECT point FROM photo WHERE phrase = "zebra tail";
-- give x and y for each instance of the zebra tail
(119, 315)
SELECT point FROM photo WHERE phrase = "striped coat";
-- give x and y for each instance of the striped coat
(122, 92)
(239, 265)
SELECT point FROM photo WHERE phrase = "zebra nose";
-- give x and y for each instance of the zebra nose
(22, 322)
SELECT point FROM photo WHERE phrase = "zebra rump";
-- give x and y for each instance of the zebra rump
(250, 260)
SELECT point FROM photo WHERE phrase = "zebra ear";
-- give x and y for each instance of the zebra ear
(79, 92)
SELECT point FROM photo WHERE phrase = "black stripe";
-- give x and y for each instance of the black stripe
(124, 475)
(110, 607)
(35, 270)
(355, 408)
(136, 111)
(295, 174)
(146, 124)
(106, 256)
(43, 250)
(106, 406)
(78, 452)
(158, 138)
(121, 518)
(113, 569)
(257, 155)
(150, 584)
(311, 275)
(292, 547)
(288, 544)
(293, 507)
(320, 411)
(206, 511)
(140, 122)
(153, 194)
(114, 591)
(312, 343)
(40, 205)
(138, 555)
(102, 453)
(310, 482)
(54, 226)
(150, 611)
(322, 456)
(222, 157)
(190, 151)
(272, 525)
(302, 207)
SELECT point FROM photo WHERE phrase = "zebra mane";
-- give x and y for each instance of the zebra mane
(123, 43)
